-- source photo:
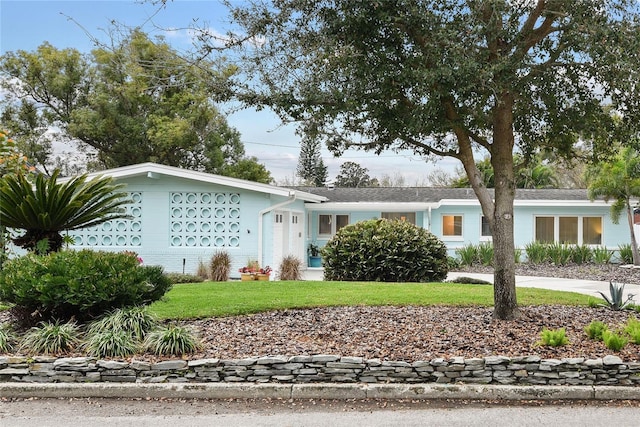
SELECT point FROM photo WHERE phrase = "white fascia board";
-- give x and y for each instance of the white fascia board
(156, 169)
(540, 203)
(364, 206)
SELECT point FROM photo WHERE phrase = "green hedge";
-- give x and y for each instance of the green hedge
(385, 251)
(78, 284)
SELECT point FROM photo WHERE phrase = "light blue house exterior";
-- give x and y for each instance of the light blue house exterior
(454, 215)
(180, 218)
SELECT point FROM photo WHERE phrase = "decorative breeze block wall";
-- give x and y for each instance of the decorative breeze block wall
(204, 220)
(119, 232)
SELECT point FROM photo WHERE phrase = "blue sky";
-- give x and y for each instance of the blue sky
(25, 24)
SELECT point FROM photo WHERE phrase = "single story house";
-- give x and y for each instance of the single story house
(454, 215)
(181, 217)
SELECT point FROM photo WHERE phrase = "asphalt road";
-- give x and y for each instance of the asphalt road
(254, 413)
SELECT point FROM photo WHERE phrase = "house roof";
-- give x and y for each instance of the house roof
(154, 171)
(425, 197)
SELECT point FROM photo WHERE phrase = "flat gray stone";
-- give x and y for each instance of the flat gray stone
(611, 360)
(169, 365)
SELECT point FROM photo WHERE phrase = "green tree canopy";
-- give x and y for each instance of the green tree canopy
(618, 179)
(533, 173)
(354, 175)
(444, 78)
(135, 102)
(311, 168)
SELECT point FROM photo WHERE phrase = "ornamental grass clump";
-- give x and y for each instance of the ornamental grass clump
(7, 339)
(220, 266)
(290, 268)
(173, 339)
(136, 321)
(111, 343)
(51, 338)
(385, 251)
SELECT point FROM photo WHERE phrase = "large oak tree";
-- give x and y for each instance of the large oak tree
(442, 78)
(132, 102)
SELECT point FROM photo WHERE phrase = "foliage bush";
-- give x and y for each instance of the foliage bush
(614, 341)
(290, 268)
(536, 252)
(595, 329)
(602, 255)
(485, 253)
(385, 251)
(220, 267)
(632, 328)
(615, 301)
(202, 272)
(559, 253)
(183, 278)
(553, 337)
(78, 284)
(625, 254)
(468, 254)
(464, 280)
(581, 254)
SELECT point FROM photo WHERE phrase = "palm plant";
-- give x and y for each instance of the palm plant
(618, 180)
(47, 207)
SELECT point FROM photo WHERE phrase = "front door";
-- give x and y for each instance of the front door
(288, 237)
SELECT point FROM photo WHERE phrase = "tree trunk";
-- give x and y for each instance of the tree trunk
(632, 231)
(504, 263)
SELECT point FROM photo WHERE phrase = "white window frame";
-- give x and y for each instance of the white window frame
(483, 237)
(333, 219)
(453, 237)
(556, 227)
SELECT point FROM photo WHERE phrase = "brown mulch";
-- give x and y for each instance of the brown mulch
(406, 333)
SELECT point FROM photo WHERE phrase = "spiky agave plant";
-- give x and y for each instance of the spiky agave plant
(615, 300)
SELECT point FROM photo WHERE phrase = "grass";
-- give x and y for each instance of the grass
(218, 299)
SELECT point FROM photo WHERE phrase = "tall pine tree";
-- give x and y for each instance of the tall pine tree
(311, 168)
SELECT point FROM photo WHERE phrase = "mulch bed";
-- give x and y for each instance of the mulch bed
(407, 333)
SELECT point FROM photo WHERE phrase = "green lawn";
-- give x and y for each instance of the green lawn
(215, 299)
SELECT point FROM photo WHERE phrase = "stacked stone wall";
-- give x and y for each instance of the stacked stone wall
(528, 370)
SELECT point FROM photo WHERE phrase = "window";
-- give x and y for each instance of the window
(485, 230)
(401, 216)
(545, 229)
(452, 225)
(592, 230)
(329, 224)
(570, 230)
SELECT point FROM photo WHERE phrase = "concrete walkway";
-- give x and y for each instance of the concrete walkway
(587, 287)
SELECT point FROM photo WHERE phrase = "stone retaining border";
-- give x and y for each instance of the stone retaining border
(526, 370)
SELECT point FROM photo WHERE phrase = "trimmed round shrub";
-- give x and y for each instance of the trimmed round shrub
(78, 285)
(385, 251)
